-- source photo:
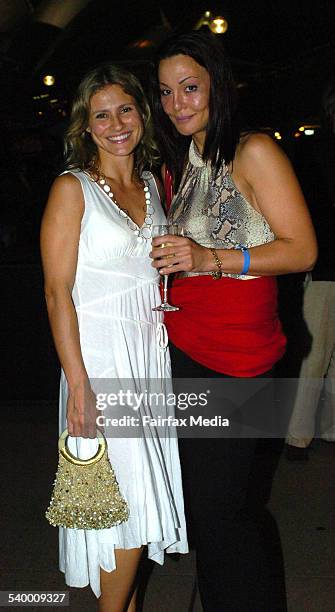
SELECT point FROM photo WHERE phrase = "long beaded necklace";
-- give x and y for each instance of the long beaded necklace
(144, 232)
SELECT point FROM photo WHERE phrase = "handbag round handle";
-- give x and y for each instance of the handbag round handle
(63, 449)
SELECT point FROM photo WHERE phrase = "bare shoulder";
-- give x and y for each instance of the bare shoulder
(257, 146)
(258, 154)
(66, 195)
(68, 183)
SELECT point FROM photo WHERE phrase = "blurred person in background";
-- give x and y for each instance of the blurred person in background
(316, 167)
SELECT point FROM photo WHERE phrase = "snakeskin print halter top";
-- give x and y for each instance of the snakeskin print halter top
(213, 211)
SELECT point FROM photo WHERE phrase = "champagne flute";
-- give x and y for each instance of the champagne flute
(164, 230)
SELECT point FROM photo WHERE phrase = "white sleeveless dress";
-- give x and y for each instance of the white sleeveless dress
(121, 337)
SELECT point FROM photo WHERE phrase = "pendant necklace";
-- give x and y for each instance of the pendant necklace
(141, 233)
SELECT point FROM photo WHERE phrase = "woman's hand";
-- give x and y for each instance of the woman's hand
(82, 411)
(179, 255)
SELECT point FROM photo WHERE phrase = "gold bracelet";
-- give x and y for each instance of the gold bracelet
(217, 274)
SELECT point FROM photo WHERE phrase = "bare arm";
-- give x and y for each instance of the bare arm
(264, 174)
(60, 234)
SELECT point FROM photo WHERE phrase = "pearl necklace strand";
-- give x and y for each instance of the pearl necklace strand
(141, 233)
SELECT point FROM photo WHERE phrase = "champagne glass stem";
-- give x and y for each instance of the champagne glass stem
(165, 284)
(165, 230)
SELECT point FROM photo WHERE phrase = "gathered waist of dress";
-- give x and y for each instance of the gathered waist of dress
(130, 267)
(116, 298)
(227, 325)
(136, 318)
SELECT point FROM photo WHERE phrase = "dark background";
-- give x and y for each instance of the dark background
(282, 51)
(283, 55)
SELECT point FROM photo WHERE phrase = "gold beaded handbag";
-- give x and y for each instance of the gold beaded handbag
(86, 494)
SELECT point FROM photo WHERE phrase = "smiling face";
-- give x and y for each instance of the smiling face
(185, 90)
(115, 124)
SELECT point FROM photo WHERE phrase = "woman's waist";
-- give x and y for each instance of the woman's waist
(225, 285)
(224, 275)
(135, 302)
(225, 301)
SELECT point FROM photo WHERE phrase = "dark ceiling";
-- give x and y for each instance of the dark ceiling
(283, 52)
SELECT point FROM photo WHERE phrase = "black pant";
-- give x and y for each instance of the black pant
(231, 563)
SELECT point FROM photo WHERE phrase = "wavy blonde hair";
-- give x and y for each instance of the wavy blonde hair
(80, 150)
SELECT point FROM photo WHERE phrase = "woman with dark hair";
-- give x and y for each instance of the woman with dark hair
(245, 221)
(100, 290)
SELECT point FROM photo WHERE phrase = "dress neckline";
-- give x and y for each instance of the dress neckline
(142, 232)
(195, 157)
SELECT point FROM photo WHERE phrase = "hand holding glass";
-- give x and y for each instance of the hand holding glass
(165, 230)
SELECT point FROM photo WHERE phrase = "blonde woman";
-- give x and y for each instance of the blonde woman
(100, 289)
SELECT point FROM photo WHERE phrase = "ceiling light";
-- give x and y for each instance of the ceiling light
(218, 25)
(49, 80)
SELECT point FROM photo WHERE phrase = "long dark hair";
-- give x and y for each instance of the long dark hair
(222, 131)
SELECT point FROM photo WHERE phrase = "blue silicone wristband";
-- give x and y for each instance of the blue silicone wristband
(246, 259)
